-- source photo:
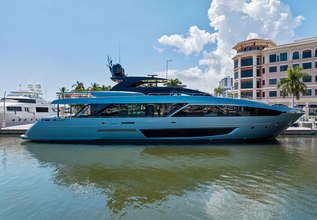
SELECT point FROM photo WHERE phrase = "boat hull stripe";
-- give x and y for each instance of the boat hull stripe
(116, 130)
(187, 132)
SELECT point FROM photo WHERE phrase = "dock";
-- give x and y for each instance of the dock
(15, 130)
(299, 131)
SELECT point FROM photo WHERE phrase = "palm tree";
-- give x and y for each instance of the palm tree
(105, 88)
(230, 94)
(173, 83)
(218, 91)
(63, 90)
(78, 87)
(94, 87)
(292, 84)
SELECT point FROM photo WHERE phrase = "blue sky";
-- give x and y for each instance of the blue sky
(57, 42)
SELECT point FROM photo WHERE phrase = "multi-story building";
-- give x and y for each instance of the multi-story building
(260, 64)
(227, 85)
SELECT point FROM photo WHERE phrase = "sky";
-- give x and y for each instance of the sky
(56, 42)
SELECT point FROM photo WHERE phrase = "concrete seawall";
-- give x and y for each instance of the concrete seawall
(15, 130)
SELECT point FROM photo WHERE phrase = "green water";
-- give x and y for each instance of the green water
(275, 180)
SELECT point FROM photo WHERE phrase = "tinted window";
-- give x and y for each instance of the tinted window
(41, 109)
(283, 56)
(272, 69)
(246, 73)
(21, 100)
(295, 55)
(235, 85)
(246, 84)
(129, 110)
(272, 81)
(307, 65)
(235, 63)
(223, 111)
(272, 58)
(15, 109)
(283, 67)
(247, 62)
(272, 94)
(306, 53)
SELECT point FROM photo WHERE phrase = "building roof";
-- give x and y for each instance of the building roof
(252, 42)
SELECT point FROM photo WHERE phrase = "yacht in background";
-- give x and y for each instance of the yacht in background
(24, 107)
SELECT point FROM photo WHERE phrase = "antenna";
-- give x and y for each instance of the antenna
(119, 54)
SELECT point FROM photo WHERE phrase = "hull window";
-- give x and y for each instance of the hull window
(187, 132)
(224, 111)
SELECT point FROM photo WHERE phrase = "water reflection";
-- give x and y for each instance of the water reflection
(141, 176)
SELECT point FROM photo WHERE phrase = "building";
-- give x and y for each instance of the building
(227, 85)
(260, 64)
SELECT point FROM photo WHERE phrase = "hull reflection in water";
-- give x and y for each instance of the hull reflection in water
(135, 177)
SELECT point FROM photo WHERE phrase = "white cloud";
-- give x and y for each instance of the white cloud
(252, 36)
(233, 21)
(195, 78)
(193, 43)
(158, 49)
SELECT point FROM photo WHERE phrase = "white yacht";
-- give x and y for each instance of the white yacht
(24, 107)
(135, 112)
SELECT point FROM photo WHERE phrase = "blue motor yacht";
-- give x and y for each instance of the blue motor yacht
(137, 109)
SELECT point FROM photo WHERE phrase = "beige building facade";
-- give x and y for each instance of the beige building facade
(260, 64)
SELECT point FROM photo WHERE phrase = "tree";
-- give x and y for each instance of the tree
(78, 87)
(174, 83)
(105, 88)
(63, 90)
(94, 87)
(230, 94)
(292, 84)
(218, 91)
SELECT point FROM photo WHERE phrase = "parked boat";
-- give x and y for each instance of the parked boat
(142, 111)
(24, 107)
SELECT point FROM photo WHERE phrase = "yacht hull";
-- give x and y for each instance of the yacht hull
(160, 129)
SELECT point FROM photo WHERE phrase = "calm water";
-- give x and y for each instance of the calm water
(276, 180)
